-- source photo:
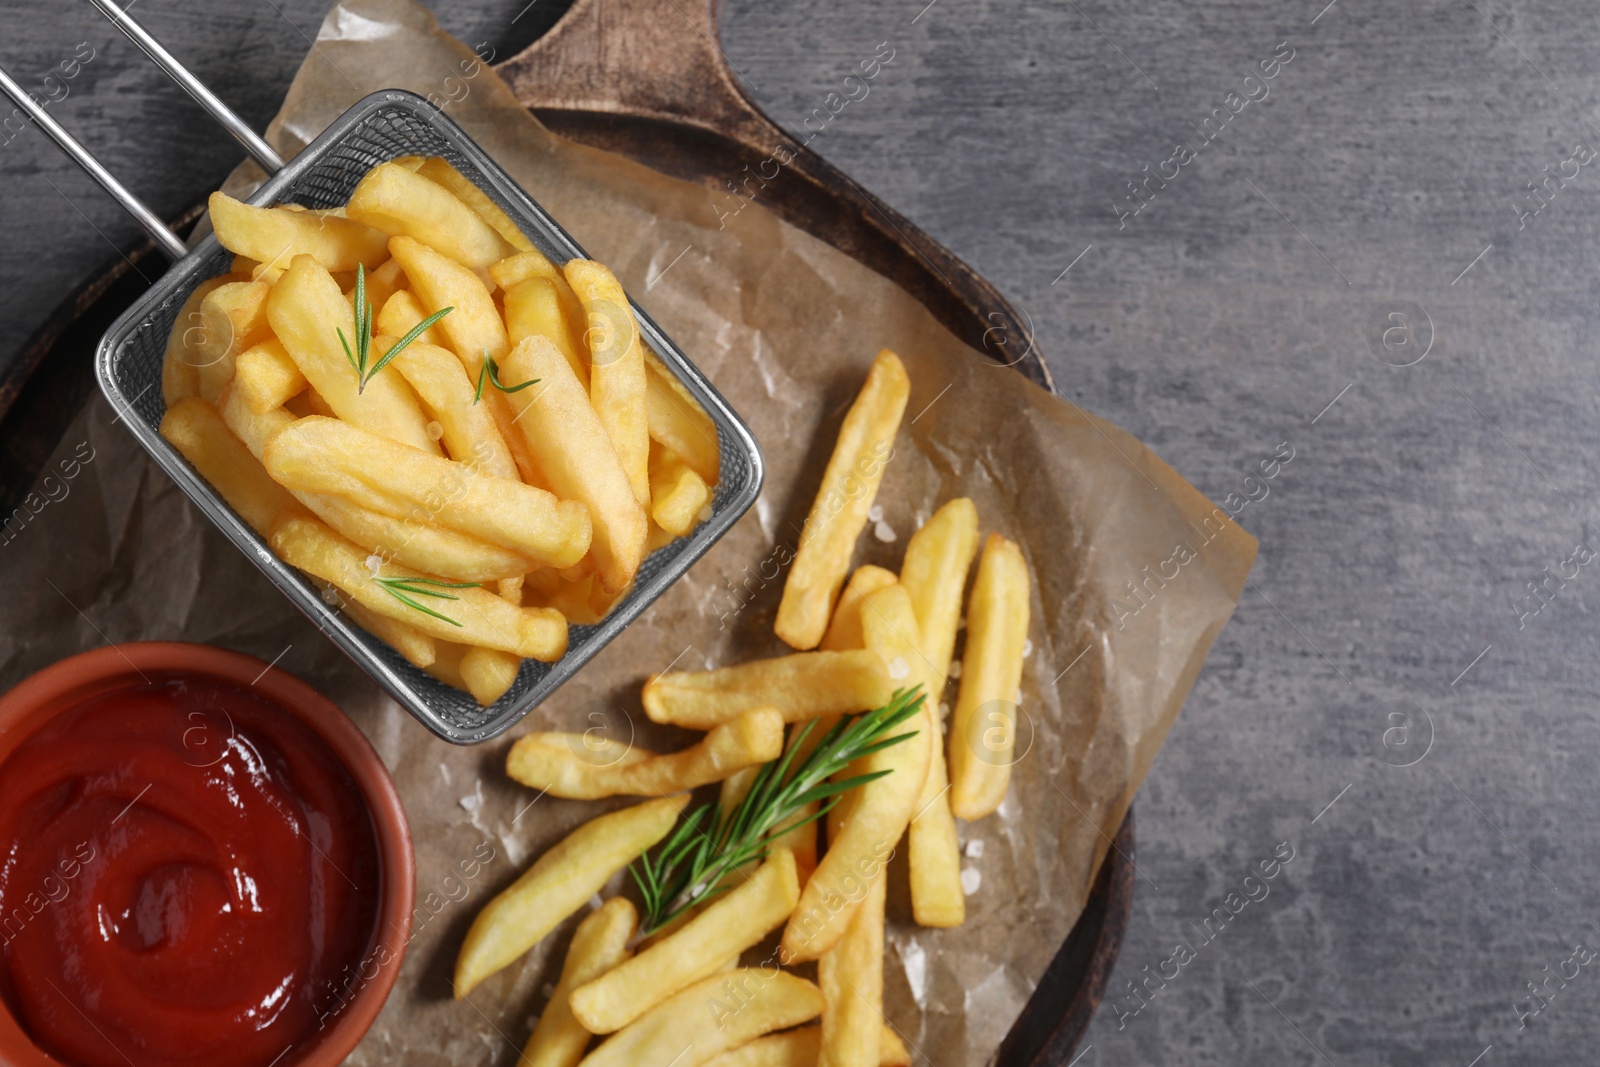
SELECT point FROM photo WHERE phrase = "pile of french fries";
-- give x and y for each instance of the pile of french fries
(682, 995)
(464, 444)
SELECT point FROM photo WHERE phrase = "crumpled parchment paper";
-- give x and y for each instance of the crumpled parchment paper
(1135, 572)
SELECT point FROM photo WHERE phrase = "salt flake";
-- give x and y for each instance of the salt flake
(971, 879)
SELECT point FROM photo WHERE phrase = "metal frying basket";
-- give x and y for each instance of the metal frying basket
(381, 127)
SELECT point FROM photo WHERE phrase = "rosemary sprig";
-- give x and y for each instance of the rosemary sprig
(709, 843)
(401, 588)
(491, 371)
(363, 351)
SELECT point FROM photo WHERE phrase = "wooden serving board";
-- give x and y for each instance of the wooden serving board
(649, 82)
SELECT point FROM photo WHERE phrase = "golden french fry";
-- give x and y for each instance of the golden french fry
(400, 314)
(677, 421)
(420, 546)
(232, 318)
(475, 615)
(564, 765)
(616, 367)
(416, 647)
(934, 573)
(274, 236)
(446, 665)
(531, 263)
(800, 1048)
(710, 1017)
(573, 451)
(441, 172)
(489, 673)
(802, 685)
(322, 455)
(732, 922)
(881, 808)
(983, 731)
(559, 883)
(266, 377)
(438, 281)
(850, 975)
(470, 434)
(844, 630)
(533, 307)
(599, 944)
(195, 429)
(677, 493)
(381, 285)
(399, 202)
(306, 309)
(180, 370)
(864, 447)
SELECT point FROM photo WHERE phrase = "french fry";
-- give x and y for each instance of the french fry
(844, 629)
(440, 171)
(678, 422)
(800, 1048)
(416, 647)
(616, 367)
(677, 493)
(400, 313)
(417, 545)
(441, 383)
(381, 285)
(573, 451)
(489, 673)
(266, 376)
(533, 307)
(710, 1017)
(476, 617)
(559, 883)
(599, 944)
(864, 447)
(564, 766)
(881, 808)
(802, 685)
(322, 455)
(983, 731)
(195, 429)
(850, 975)
(438, 281)
(531, 263)
(180, 370)
(306, 309)
(399, 202)
(273, 237)
(733, 922)
(472, 331)
(934, 573)
(446, 665)
(232, 318)
(580, 601)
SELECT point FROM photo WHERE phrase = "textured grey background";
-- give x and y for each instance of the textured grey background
(1223, 320)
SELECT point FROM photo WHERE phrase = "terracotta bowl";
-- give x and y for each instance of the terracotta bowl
(65, 684)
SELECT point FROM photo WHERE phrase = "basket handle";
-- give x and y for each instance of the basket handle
(166, 240)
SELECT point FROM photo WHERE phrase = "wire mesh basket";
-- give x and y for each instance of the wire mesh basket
(382, 127)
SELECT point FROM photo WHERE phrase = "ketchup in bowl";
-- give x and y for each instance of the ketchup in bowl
(188, 875)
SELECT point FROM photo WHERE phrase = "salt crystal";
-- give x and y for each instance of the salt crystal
(547, 991)
(971, 879)
(975, 849)
(444, 772)
(595, 901)
(955, 669)
(435, 430)
(885, 533)
(1027, 647)
(472, 802)
(875, 513)
(899, 668)
(374, 564)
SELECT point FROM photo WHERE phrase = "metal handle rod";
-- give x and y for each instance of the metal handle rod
(259, 150)
(147, 219)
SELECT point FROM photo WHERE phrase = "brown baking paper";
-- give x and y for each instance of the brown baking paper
(785, 326)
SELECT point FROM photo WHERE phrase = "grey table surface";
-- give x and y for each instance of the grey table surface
(1352, 270)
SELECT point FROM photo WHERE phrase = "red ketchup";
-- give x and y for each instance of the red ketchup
(188, 875)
